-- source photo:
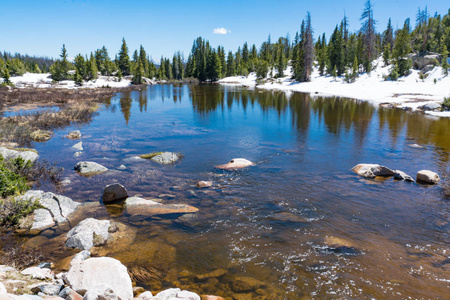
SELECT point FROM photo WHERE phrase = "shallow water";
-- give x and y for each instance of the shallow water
(298, 224)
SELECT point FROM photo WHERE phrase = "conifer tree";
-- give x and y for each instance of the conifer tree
(402, 48)
(124, 59)
(36, 69)
(77, 78)
(93, 71)
(388, 36)
(387, 54)
(119, 75)
(230, 65)
(445, 65)
(368, 31)
(138, 74)
(6, 76)
(355, 68)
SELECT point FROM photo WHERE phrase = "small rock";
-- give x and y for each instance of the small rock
(76, 134)
(146, 296)
(38, 273)
(122, 167)
(188, 295)
(204, 184)
(431, 106)
(246, 284)
(69, 294)
(41, 135)
(114, 192)
(78, 146)
(140, 206)
(165, 158)
(47, 265)
(399, 175)
(47, 289)
(167, 294)
(236, 163)
(426, 176)
(89, 168)
(88, 233)
(137, 290)
(100, 291)
(213, 274)
(372, 170)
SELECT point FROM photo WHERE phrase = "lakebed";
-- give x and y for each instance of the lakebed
(298, 224)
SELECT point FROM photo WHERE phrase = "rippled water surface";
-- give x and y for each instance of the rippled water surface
(298, 224)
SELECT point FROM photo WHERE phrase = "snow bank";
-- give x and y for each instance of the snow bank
(44, 81)
(407, 92)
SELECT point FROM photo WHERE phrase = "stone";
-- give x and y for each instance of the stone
(78, 153)
(427, 69)
(38, 273)
(75, 134)
(9, 154)
(187, 295)
(213, 274)
(146, 296)
(100, 291)
(204, 184)
(56, 208)
(236, 163)
(140, 206)
(122, 167)
(78, 146)
(48, 289)
(137, 290)
(166, 158)
(245, 284)
(89, 168)
(2, 289)
(422, 59)
(168, 294)
(286, 216)
(400, 175)
(372, 170)
(69, 294)
(45, 265)
(114, 192)
(426, 176)
(88, 233)
(87, 274)
(431, 106)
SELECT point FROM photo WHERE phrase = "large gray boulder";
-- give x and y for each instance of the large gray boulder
(94, 274)
(89, 168)
(56, 208)
(425, 58)
(372, 170)
(114, 192)
(9, 154)
(88, 233)
(426, 176)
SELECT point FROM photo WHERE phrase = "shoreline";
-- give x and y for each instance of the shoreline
(408, 92)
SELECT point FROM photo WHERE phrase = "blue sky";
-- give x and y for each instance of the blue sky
(40, 27)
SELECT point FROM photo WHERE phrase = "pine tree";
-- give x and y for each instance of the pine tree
(402, 48)
(93, 71)
(138, 74)
(388, 36)
(355, 68)
(445, 65)
(230, 65)
(368, 31)
(124, 59)
(77, 78)
(119, 75)
(36, 69)
(6, 76)
(387, 54)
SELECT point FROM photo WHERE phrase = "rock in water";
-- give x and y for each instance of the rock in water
(92, 273)
(89, 168)
(114, 192)
(166, 158)
(78, 146)
(76, 134)
(400, 175)
(204, 184)
(56, 208)
(140, 206)
(236, 163)
(88, 233)
(372, 170)
(426, 176)
(9, 154)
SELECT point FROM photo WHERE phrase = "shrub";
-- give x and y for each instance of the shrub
(13, 210)
(11, 182)
(446, 104)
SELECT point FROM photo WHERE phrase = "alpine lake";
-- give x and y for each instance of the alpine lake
(299, 224)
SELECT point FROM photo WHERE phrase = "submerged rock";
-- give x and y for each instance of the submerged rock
(89, 233)
(140, 206)
(9, 154)
(114, 192)
(78, 146)
(372, 170)
(426, 176)
(88, 275)
(56, 208)
(162, 157)
(204, 184)
(400, 175)
(41, 135)
(89, 168)
(76, 134)
(236, 163)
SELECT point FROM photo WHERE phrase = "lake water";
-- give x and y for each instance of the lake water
(298, 224)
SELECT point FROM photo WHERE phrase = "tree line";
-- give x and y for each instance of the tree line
(345, 53)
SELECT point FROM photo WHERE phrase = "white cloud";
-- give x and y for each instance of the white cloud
(221, 30)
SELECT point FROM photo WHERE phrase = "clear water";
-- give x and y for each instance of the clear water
(269, 226)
